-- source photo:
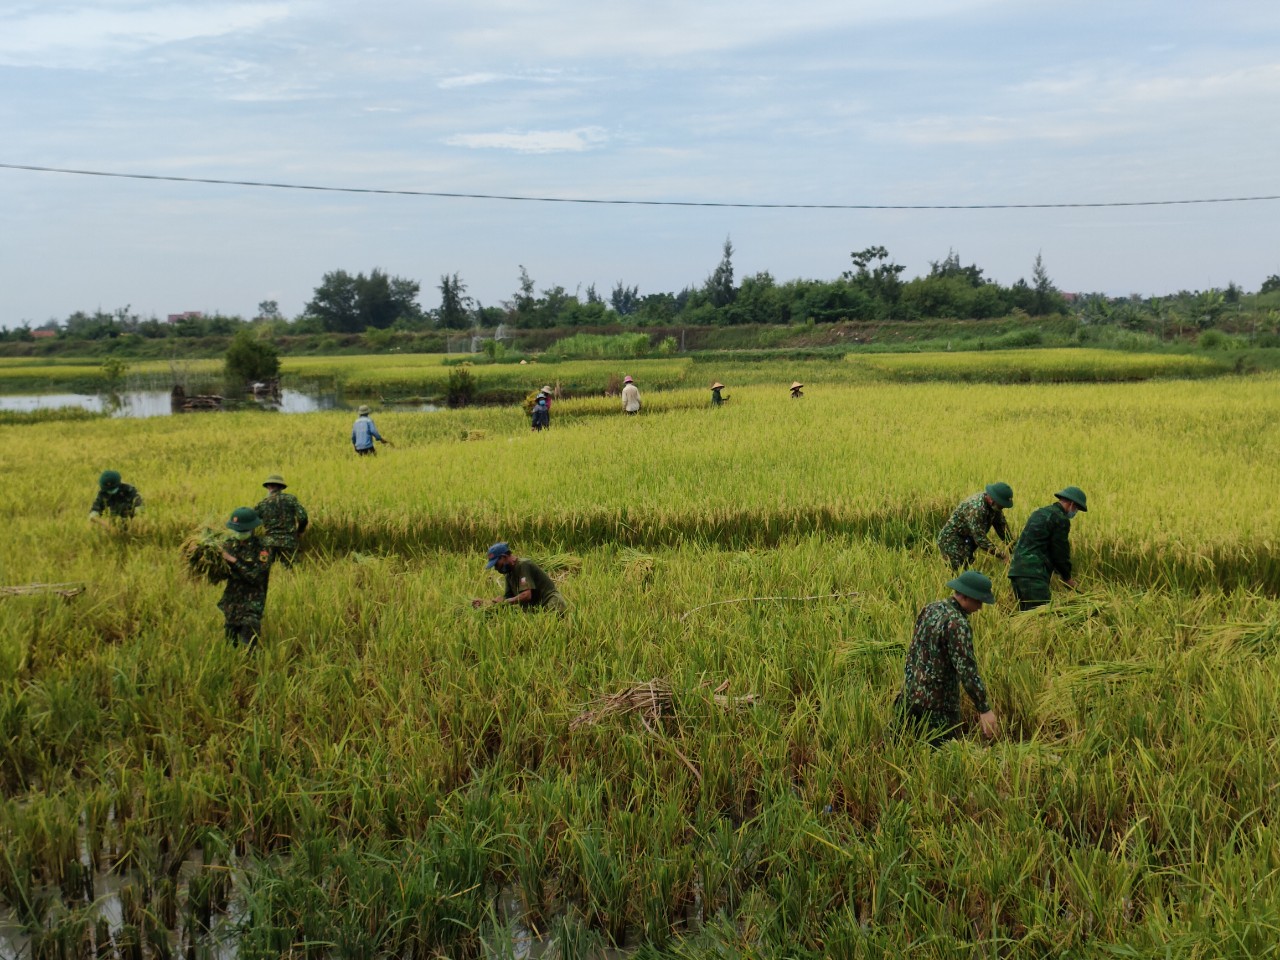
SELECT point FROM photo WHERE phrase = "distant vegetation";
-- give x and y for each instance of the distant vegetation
(379, 312)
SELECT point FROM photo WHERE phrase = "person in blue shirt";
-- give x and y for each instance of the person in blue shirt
(363, 433)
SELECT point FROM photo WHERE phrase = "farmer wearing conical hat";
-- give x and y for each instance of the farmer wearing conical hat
(546, 393)
(527, 585)
(248, 567)
(117, 500)
(1045, 549)
(284, 520)
(796, 393)
(965, 532)
(716, 399)
(941, 661)
(630, 396)
(363, 433)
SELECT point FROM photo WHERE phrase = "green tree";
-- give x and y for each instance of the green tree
(347, 304)
(882, 282)
(1046, 299)
(625, 300)
(454, 303)
(249, 359)
(1271, 284)
(719, 287)
(524, 303)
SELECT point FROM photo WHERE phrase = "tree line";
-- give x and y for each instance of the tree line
(872, 289)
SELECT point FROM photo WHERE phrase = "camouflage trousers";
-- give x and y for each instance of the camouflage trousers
(1031, 593)
(922, 724)
(284, 552)
(958, 553)
(242, 622)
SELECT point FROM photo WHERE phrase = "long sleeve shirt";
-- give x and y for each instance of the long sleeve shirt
(940, 662)
(966, 529)
(363, 433)
(1045, 546)
(284, 519)
(631, 398)
(122, 502)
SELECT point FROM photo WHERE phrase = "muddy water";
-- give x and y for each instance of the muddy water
(156, 403)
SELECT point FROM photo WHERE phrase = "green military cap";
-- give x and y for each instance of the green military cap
(1075, 495)
(363, 410)
(275, 480)
(244, 519)
(974, 585)
(109, 480)
(1001, 493)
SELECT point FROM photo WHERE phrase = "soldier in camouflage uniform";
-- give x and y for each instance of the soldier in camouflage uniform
(248, 568)
(965, 532)
(1045, 549)
(941, 660)
(528, 586)
(118, 500)
(284, 520)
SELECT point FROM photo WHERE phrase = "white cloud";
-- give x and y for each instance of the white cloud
(88, 36)
(677, 28)
(534, 141)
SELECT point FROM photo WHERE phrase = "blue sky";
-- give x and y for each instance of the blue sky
(911, 102)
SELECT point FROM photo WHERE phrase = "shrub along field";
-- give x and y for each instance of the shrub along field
(396, 774)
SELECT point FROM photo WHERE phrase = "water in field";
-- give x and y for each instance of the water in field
(157, 403)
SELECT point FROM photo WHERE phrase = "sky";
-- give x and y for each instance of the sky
(854, 102)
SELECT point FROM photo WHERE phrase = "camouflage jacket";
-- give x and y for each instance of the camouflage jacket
(283, 520)
(124, 502)
(941, 661)
(245, 596)
(527, 575)
(965, 531)
(1044, 547)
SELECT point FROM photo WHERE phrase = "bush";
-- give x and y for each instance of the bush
(249, 359)
(462, 386)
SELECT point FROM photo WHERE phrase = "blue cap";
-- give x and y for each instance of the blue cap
(497, 551)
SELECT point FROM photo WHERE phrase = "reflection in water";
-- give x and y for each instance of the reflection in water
(158, 403)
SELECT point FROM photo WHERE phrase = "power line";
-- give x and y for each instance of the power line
(637, 203)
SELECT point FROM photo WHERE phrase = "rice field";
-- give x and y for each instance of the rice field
(392, 375)
(660, 773)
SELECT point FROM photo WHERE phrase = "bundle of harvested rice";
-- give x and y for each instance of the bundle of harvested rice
(203, 552)
(560, 566)
(636, 565)
(650, 701)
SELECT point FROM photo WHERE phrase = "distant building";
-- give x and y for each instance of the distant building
(43, 334)
(189, 315)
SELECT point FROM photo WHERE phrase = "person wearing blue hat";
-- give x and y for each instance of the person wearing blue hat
(941, 661)
(1044, 548)
(965, 532)
(541, 414)
(527, 585)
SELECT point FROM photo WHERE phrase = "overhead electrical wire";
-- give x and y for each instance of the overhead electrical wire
(638, 203)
